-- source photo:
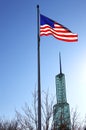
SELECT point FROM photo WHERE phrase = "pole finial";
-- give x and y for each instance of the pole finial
(37, 6)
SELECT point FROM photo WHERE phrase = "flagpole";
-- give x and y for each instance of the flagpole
(39, 85)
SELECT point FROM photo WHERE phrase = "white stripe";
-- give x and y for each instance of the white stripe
(60, 33)
(62, 37)
(47, 26)
(66, 38)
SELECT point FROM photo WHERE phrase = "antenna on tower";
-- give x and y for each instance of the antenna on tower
(60, 63)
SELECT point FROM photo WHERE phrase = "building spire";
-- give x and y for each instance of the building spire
(60, 63)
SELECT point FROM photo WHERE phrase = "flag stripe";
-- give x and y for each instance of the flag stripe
(49, 27)
(46, 29)
(61, 38)
(56, 29)
(69, 37)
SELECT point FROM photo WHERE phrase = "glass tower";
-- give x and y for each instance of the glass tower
(61, 111)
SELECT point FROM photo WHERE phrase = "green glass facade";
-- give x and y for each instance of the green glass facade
(60, 88)
(61, 111)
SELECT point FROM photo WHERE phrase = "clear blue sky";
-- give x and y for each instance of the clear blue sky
(18, 52)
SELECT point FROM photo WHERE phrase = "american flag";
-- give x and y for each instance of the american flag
(50, 27)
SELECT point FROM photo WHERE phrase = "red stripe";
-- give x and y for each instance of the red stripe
(65, 34)
(66, 40)
(45, 27)
(56, 33)
(51, 31)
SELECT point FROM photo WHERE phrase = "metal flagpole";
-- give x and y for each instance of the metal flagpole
(39, 86)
